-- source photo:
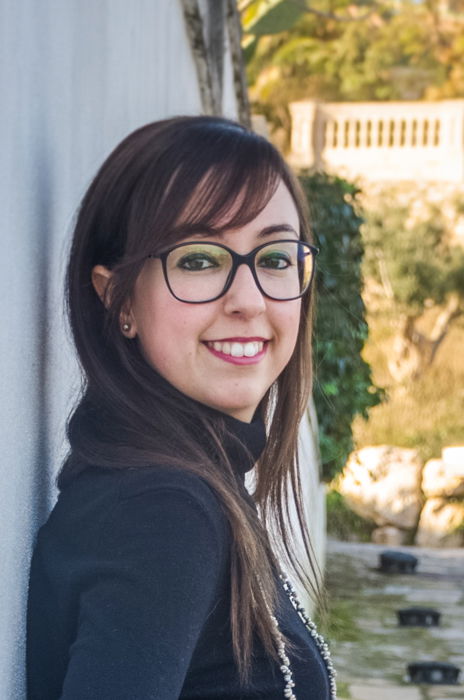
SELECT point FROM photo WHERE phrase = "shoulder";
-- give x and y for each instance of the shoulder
(181, 496)
(152, 498)
(135, 482)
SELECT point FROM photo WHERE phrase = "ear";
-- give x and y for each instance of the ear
(101, 277)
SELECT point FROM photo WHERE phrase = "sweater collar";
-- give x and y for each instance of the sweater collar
(243, 442)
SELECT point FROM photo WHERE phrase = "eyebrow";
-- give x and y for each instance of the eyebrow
(276, 228)
(266, 231)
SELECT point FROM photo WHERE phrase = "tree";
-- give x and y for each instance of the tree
(344, 51)
(207, 39)
(418, 265)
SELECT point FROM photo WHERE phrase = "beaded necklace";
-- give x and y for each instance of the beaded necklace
(252, 436)
(318, 640)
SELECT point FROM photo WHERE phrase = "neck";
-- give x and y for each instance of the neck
(242, 440)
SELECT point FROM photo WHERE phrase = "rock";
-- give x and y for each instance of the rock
(443, 478)
(383, 484)
(454, 455)
(389, 535)
(438, 524)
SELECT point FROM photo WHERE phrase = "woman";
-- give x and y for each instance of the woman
(188, 300)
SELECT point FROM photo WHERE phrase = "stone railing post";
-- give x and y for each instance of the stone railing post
(306, 144)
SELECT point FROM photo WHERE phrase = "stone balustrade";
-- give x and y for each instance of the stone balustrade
(395, 141)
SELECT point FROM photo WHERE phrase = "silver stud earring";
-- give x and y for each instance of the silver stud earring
(126, 327)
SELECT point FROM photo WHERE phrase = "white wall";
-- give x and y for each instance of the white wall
(76, 77)
(312, 485)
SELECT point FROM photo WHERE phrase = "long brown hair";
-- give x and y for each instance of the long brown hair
(162, 181)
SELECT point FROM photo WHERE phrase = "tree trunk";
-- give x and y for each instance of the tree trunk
(216, 48)
(234, 30)
(195, 30)
(207, 41)
(414, 351)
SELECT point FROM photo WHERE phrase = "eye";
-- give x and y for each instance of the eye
(196, 261)
(275, 260)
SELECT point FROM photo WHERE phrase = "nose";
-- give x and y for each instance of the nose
(243, 296)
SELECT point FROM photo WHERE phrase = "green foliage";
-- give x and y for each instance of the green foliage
(343, 523)
(343, 690)
(412, 254)
(345, 51)
(412, 266)
(342, 625)
(271, 17)
(342, 382)
(264, 18)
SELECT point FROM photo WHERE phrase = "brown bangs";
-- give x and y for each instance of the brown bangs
(220, 177)
(230, 195)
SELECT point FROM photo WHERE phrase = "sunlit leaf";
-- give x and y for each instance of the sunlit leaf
(273, 17)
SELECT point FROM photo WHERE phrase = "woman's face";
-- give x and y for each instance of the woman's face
(190, 345)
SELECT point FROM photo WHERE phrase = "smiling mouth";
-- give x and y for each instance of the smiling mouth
(234, 348)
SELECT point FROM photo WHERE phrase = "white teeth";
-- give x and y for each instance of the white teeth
(236, 349)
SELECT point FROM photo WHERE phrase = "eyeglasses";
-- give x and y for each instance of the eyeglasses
(198, 272)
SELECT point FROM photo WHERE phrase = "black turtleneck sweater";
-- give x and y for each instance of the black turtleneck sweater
(129, 593)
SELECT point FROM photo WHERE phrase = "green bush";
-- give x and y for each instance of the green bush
(343, 385)
(343, 523)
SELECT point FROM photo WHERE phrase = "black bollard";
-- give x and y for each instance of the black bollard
(433, 672)
(392, 562)
(418, 617)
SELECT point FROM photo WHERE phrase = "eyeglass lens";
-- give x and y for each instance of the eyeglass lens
(200, 271)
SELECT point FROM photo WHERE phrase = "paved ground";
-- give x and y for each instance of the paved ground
(370, 650)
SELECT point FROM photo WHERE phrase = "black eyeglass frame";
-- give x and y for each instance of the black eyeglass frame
(237, 260)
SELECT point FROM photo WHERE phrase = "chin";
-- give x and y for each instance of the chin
(238, 401)
(241, 411)
(245, 415)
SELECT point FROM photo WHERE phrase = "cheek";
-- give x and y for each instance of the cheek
(290, 325)
(168, 330)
